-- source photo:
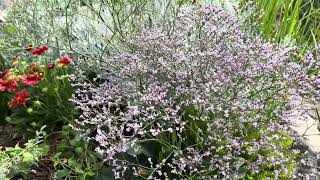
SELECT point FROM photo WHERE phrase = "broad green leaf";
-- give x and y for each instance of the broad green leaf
(61, 173)
(27, 157)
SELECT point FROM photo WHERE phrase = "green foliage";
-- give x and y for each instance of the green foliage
(73, 158)
(19, 160)
(5, 110)
(298, 19)
(49, 99)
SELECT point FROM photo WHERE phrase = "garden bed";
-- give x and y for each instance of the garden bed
(164, 89)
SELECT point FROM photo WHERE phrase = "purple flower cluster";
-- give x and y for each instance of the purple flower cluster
(201, 99)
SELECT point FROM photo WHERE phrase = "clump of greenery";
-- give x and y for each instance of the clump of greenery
(74, 158)
(278, 19)
(17, 161)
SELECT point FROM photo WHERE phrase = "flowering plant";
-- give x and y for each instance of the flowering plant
(205, 101)
(36, 88)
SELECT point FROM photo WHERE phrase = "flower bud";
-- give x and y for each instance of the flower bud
(50, 66)
(24, 64)
(60, 65)
(8, 119)
(34, 124)
(37, 104)
(30, 110)
(44, 90)
(57, 61)
(79, 150)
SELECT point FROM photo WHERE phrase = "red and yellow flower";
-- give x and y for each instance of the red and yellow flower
(8, 83)
(32, 79)
(21, 98)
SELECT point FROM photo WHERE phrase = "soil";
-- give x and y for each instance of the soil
(9, 136)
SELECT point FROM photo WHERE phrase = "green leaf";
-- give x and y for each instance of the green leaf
(105, 173)
(11, 29)
(79, 150)
(75, 142)
(72, 162)
(44, 149)
(62, 173)
(91, 173)
(77, 166)
(57, 155)
(287, 143)
(27, 157)
(151, 148)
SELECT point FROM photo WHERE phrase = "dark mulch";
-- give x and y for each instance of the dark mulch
(9, 136)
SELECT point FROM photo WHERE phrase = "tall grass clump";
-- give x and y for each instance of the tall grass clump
(298, 19)
(205, 100)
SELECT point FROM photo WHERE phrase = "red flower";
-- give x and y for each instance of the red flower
(65, 60)
(9, 85)
(50, 66)
(21, 98)
(40, 50)
(31, 79)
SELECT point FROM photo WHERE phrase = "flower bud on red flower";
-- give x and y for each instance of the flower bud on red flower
(50, 66)
(36, 52)
(44, 48)
(65, 60)
(33, 67)
(40, 50)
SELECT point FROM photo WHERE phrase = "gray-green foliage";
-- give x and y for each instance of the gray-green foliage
(91, 29)
(18, 160)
